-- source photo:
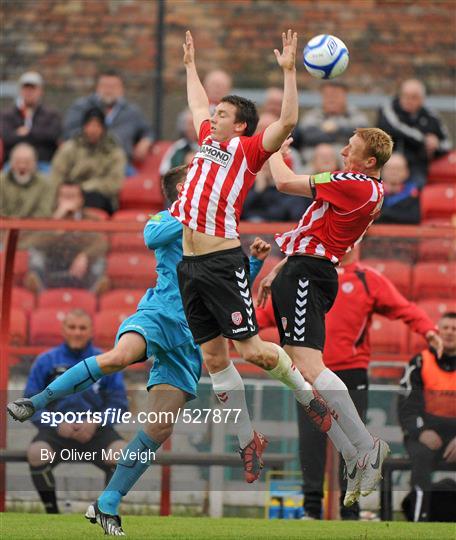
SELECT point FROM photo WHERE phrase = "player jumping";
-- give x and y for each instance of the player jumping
(158, 329)
(304, 285)
(213, 274)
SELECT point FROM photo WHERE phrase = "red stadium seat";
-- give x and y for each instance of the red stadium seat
(436, 307)
(18, 326)
(66, 299)
(46, 326)
(437, 250)
(438, 201)
(131, 270)
(142, 192)
(268, 265)
(124, 299)
(443, 170)
(21, 264)
(270, 334)
(388, 336)
(23, 299)
(121, 242)
(434, 280)
(106, 324)
(131, 215)
(399, 273)
(152, 162)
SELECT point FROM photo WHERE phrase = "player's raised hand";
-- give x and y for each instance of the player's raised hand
(287, 58)
(260, 249)
(189, 49)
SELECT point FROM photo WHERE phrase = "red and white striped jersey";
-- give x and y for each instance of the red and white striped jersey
(345, 205)
(217, 183)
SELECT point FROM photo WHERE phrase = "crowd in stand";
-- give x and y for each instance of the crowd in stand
(79, 166)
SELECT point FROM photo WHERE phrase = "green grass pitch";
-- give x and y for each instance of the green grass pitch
(48, 527)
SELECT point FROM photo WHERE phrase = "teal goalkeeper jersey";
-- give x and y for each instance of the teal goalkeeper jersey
(163, 234)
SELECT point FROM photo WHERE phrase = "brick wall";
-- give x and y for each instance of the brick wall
(69, 40)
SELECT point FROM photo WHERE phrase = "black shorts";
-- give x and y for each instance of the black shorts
(215, 290)
(103, 438)
(302, 293)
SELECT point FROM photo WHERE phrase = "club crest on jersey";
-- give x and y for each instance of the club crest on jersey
(347, 287)
(236, 317)
(216, 155)
(284, 323)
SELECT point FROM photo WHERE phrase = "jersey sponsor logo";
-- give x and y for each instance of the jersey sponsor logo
(347, 287)
(216, 155)
(284, 323)
(236, 317)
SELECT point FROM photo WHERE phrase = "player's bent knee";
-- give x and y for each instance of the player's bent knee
(113, 361)
(39, 453)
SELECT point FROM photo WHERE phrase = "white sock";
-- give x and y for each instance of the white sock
(341, 441)
(229, 389)
(288, 374)
(335, 393)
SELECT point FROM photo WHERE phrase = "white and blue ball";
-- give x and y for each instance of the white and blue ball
(325, 56)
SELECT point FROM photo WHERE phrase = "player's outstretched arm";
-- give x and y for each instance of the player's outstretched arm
(278, 131)
(285, 179)
(198, 101)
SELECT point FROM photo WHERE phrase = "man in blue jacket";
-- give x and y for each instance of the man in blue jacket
(56, 443)
(158, 329)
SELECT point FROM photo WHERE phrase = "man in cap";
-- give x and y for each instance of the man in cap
(30, 121)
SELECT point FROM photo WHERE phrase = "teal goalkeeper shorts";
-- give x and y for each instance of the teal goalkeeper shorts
(177, 360)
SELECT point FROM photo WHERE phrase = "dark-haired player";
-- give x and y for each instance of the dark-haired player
(214, 274)
(158, 329)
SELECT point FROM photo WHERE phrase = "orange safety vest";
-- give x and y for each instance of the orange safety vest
(439, 387)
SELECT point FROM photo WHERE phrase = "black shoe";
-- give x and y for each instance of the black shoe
(112, 525)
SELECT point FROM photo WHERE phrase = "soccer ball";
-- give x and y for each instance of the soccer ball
(325, 56)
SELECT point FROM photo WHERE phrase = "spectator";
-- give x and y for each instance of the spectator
(217, 84)
(67, 258)
(332, 123)
(187, 143)
(362, 292)
(32, 122)
(109, 392)
(427, 413)
(401, 203)
(265, 203)
(417, 132)
(324, 158)
(24, 192)
(94, 160)
(273, 101)
(124, 120)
